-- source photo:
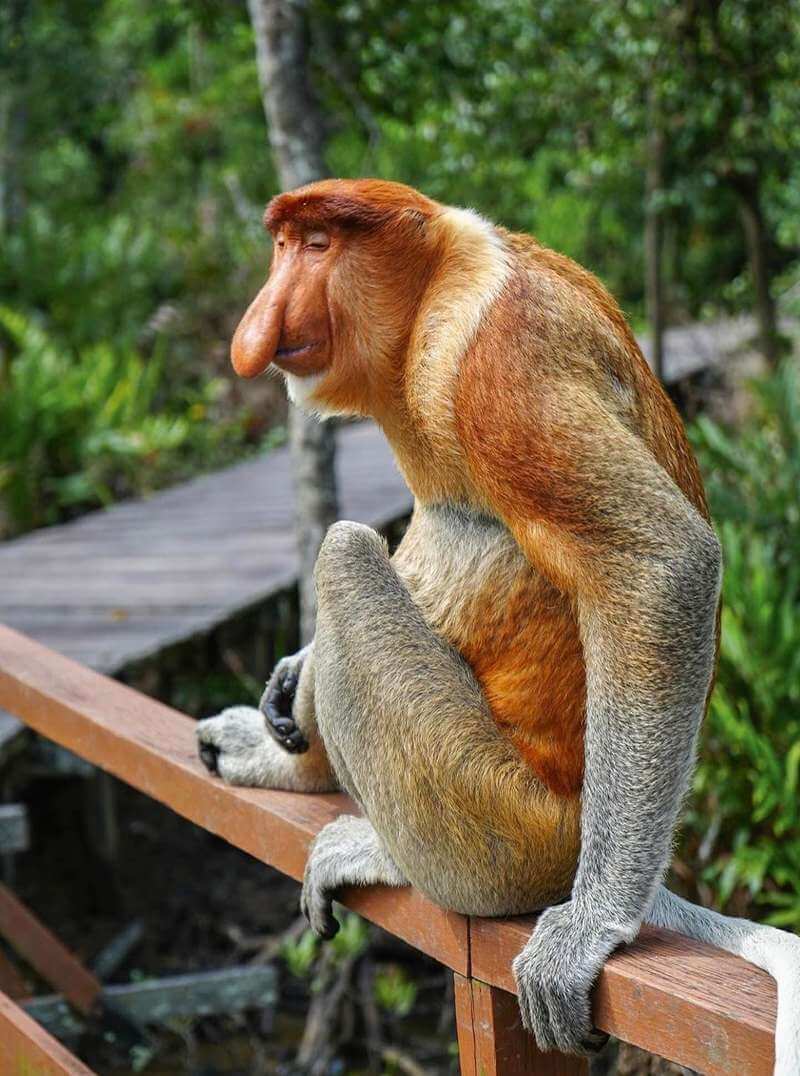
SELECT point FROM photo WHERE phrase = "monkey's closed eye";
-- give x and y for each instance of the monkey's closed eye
(318, 241)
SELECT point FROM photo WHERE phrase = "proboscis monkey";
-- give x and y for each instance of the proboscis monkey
(514, 698)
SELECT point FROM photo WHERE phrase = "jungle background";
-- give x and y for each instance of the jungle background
(655, 141)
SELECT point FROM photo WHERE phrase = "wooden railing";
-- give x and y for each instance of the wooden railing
(683, 1000)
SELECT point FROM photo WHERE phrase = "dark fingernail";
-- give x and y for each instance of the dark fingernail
(331, 928)
(595, 1042)
(209, 754)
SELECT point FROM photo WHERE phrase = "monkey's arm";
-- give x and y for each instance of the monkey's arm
(594, 511)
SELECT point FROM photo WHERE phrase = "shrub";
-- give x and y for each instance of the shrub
(81, 430)
(746, 790)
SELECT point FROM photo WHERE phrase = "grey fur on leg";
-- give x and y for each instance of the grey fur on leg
(346, 852)
(235, 745)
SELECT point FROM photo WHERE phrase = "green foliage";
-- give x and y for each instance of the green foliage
(301, 954)
(747, 781)
(351, 940)
(81, 430)
(395, 992)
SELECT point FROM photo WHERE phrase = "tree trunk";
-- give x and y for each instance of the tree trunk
(654, 238)
(757, 240)
(297, 137)
(12, 118)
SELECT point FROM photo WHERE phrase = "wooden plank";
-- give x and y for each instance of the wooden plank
(26, 1049)
(152, 748)
(156, 1001)
(11, 979)
(465, 1025)
(677, 998)
(493, 1042)
(46, 954)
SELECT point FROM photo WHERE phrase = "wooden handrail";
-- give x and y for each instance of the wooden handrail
(681, 999)
(26, 1048)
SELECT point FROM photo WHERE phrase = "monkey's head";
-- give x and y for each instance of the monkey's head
(351, 259)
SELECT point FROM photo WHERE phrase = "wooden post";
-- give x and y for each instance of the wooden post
(46, 954)
(492, 1040)
(27, 1050)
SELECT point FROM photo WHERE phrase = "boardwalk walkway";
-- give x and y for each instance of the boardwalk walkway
(120, 585)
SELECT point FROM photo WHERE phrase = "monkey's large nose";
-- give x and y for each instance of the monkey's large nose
(256, 338)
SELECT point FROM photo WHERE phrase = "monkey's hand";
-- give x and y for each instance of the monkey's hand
(277, 704)
(555, 973)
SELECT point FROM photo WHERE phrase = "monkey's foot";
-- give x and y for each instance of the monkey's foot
(555, 973)
(277, 704)
(234, 745)
(345, 852)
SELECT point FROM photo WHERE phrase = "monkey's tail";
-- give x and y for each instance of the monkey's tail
(776, 951)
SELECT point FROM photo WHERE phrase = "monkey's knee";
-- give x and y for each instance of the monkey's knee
(351, 556)
(348, 547)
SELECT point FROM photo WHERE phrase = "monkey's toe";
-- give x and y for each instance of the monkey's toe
(209, 756)
(233, 746)
(317, 906)
(595, 1042)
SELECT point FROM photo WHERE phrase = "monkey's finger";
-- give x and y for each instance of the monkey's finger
(535, 1017)
(569, 1020)
(284, 731)
(280, 693)
(276, 706)
(540, 1022)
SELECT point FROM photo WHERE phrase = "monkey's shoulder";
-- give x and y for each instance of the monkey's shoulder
(563, 324)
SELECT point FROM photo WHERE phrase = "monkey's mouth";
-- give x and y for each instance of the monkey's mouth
(290, 352)
(300, 360)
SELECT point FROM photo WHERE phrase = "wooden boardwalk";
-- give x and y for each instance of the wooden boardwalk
(120, 585)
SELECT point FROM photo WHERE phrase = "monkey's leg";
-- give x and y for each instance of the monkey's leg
(237, 745)
(346, 852)
(411, 737)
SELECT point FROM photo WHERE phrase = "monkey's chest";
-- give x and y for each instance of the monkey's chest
(518, 633)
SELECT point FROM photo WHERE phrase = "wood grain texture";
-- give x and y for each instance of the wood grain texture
(492, 1040)
(152, 748)
(120, 585)
(26, 1049)
(678, 998)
